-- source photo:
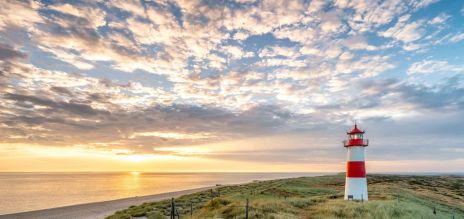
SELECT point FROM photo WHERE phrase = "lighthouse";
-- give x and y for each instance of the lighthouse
(356, 183)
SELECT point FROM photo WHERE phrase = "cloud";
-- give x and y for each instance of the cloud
(23, 14)
(358, 42)
(372, 14)
(235, 52)
(456, 38)
(95, 17)
(87, 111)
(278, 51)
(9, 53)
(433, 66)
(331, 23)
(404, 30)
(444, 96)
(440, 19)
(418, 4)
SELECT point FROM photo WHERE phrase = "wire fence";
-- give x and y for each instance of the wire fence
(249, 211)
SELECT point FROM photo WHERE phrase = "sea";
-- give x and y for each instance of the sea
(21, 192)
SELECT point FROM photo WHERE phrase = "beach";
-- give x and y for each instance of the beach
(96, 209)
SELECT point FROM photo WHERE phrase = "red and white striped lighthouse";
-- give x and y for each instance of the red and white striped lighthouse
(356, 183)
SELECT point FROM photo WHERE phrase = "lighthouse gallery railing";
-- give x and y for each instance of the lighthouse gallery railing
(356, 142)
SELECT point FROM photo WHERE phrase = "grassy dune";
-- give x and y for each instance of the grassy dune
(390, 196)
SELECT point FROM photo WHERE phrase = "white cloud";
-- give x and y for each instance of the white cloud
(95, 16)
(433, 66)
(241, 35)
(358, 42)
(316, 6)
(371, 14)
(412, 46)
(235, 52)
(346, 56)
(330, 22)
(216, 61)
(418, 4)
(456, 38)
(18, 13)
(440, 19)
(367, 66)
(404, 30)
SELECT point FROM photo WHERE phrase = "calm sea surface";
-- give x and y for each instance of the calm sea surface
(32, 191)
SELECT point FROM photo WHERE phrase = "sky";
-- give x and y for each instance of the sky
(237, 85)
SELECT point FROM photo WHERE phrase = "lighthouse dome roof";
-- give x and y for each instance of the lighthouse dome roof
(355, 130)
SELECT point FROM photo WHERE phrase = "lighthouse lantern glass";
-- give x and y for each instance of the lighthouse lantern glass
(356, 136)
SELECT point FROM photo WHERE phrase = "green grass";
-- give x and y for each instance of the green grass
(390, 196)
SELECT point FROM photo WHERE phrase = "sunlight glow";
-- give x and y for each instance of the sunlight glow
(173, 135)
(136, 157)
(184, 150)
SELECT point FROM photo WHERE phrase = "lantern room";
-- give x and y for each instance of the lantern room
(355, 138)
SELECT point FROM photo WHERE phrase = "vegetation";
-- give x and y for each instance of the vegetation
(390, 196)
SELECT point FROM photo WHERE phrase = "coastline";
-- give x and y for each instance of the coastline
(44, 190)
(97, 209)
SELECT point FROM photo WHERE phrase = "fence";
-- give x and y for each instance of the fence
(247, 208)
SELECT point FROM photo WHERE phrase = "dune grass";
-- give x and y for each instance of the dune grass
(390, 196)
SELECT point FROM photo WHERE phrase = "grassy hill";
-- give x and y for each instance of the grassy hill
(390, 196)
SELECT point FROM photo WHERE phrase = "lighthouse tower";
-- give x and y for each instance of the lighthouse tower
(356, 183)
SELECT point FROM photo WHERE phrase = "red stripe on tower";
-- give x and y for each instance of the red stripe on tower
(355, 169)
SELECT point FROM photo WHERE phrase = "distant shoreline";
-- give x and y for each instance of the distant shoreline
(97, 209)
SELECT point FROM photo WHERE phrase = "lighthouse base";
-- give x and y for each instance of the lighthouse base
(356, 189)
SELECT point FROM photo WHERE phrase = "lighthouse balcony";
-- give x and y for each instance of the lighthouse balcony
(356, 142)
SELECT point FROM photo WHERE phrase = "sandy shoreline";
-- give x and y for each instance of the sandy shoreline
(96, 209)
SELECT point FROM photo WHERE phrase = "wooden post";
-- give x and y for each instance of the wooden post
(172, 216)
(246, 209)
(211, 194)
(191, 209)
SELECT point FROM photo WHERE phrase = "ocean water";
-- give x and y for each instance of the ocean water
(33, 191)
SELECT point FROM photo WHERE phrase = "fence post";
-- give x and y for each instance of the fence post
(174, 210)
(172, 216)
(246, 209)
(191, 209)
(211, 194)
